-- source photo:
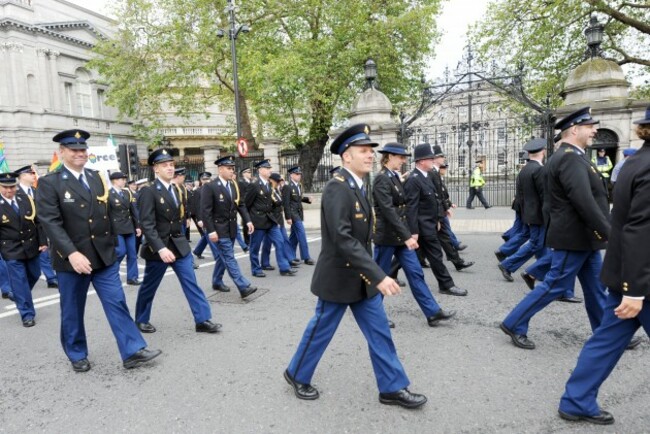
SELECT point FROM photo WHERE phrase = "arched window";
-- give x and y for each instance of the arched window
(84, 94)
(32, 89)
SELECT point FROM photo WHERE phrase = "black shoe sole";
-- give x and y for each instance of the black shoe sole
(574, 418)
(507, 331)
(402, 404)
(295, 391)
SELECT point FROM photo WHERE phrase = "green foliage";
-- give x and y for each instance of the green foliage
(548, 37)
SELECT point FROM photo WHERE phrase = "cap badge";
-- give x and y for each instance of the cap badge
(164, 152)
(77, 135)
(366, 129)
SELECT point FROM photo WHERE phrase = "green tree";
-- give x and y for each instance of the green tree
(547, 36)
(299, 67)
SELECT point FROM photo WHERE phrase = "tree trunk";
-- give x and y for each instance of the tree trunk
(312, 151)
(246, 129)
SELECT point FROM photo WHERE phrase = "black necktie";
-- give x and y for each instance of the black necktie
(228, 189)
(171, 191)
(30, 192)
(83, 182)
(14, 205)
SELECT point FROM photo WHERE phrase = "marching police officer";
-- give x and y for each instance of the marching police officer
(73, 209)
(292, 200)
(289, 251)
(392, 235)
(423, 217)
(346, 276)
(260, 203)
(244, 182)
(625, 272)
(204, 179)
(161, 217)
(220, 202)
(577, 230)
(124, 219)
(21, 244)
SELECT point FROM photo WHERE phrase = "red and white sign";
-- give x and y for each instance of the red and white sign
(242, 147)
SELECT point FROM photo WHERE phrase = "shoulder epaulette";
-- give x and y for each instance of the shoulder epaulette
(339, 178)
(569, 150)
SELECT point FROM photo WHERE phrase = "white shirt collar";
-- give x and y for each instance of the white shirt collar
(580, 150)
(165, 184)
(25, 189)
(425, 174)
(223, 181)
(74, 172)
(9, 201)
(358, 180)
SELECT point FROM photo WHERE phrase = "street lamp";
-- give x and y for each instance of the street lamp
(371, 73)
(233, 32)
(594, 34)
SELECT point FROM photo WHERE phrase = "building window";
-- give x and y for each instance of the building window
(100, 103)
(84, 93)
(32, 91)
(443, 139)
(68, 98)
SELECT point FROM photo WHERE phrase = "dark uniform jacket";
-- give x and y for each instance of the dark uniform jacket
(162, 222)
(260, 204)
(443, 205)
(578, 206)
(75, 219)
(219, 210)
(278, 207)
(292, 200)
(626, 268)
(190, 203)
(516, 202)
(532, 180)
(345, 271)
(20, 236)
(422, 212)
(391, 228)
(124, 214)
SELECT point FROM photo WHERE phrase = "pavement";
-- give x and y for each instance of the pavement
(231, 382)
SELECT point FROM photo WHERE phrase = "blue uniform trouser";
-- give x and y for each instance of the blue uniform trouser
(278, 242)
(533, 247)
(73, 288)
(46, 267)
(154, 271)
(203, 242)
(408, 259)
(515, 242)
(23, 275)
(297, 238)
(5, 284)
(445, 225)
(240, 239)
(599, 356)
(565, 266)
(227, 260)
(542, 265)
(289, 251)
(515, 228)
(126, 247)
(371, 318)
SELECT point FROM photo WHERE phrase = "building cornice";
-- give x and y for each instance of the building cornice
(10, 23)
(74, 25)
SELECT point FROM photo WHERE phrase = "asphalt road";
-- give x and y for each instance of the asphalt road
(231, 382)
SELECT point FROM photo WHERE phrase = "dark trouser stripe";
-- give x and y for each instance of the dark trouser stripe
(311, 337)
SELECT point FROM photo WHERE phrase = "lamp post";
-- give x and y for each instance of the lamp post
(594, 35)
(233, 33)
(370, 69)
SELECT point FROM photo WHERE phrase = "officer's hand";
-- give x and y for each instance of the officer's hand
(388, 287)
(415, 236)
(187, 223)
(42, 248)
(166, 255)
(411, 244)
(629, 308)
(80, 263)
(449, 213)
(138, 232)
(453, 205)
(289, 222)
(438, 226)
(200, 223)
(251, 228)
(213, 237)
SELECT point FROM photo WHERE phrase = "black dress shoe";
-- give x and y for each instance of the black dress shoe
(247, 291)
(391, 324)
(208, 327)
(488, 207)
(529, 279)
(195, 265)
(198, 256)
(461, 247)
(82, 365)
(500, 256)
(425, 264)
(310, 261)
(302, 391)
(400, 282)
(505, 238)
(469, 207)
(142, 356)
(222, 288)
(136, 282)
(29, 322)
(462, 265)
(295, 262)
(505, 273)
(604, 418)
(146, 327)
(520, 341)
(260, 274)
(440, 316)
(9, 295)
(268, 268)
(454, 290)
(634, 343)
(288, 273)
(403, 398)
(53, 284)
(570, 299)
(294, 265)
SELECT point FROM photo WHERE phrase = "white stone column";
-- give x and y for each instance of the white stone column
(6, 86)
(272, 152)
(55, 83)
(43, 78)
(211, 154)
(18, 78)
